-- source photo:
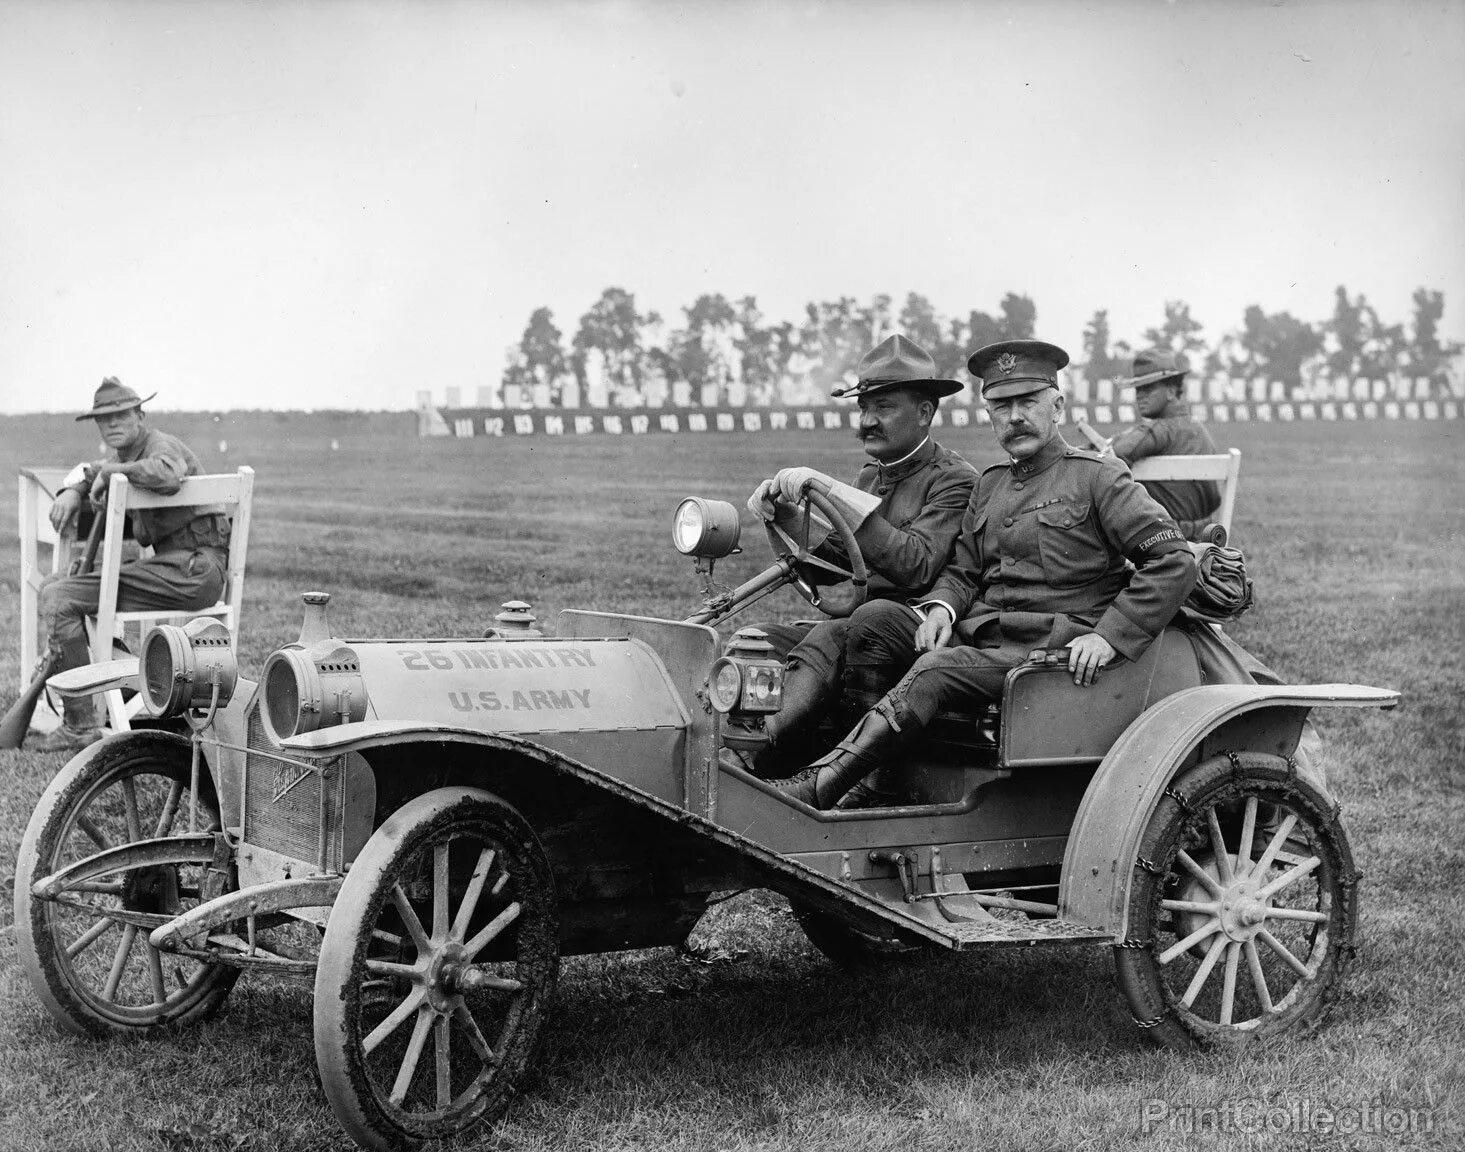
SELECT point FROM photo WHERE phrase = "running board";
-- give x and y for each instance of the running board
(986, 931)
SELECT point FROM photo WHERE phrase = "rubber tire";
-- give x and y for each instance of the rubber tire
(359, 1102)
(1217, 781)
(61, 988)
(848, 947)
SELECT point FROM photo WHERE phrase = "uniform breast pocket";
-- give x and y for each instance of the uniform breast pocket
(1069, 545)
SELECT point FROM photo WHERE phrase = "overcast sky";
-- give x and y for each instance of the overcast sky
(336, 204)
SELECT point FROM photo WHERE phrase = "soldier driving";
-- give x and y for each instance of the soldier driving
(1040, 562)
(905, 507)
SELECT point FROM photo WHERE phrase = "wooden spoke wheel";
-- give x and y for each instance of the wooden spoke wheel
(84, 944)
(436, 970)
(1243, 912)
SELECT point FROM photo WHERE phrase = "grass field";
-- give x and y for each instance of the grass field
(1356, 540)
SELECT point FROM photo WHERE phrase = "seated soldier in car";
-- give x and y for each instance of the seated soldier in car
(1058, 547)
(905, 508)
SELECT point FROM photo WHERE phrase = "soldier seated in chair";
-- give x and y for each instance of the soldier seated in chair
(190, 545)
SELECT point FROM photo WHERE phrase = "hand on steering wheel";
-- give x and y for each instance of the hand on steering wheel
(794, 549)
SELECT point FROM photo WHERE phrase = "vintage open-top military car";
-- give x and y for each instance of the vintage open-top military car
(424, 827)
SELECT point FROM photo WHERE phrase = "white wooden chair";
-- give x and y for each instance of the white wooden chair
(38, 488)
(235, 491)
(1224, 468)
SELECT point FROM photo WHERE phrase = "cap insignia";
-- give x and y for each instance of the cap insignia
(1006, 362)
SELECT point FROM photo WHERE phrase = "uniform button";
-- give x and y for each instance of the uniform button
(1018, 485)
(1008, 560)
(1068, 523)
(1007, 523)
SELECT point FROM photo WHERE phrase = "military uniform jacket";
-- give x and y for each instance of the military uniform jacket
(158, 462)
(908, 539)
(1042, 554)
(1173, 433)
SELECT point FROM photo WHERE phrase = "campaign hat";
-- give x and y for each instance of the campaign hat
(897, 362)
(1154, 365)
(113, 396)
(1016, 367)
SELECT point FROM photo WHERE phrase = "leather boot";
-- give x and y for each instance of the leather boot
(823, 782)
(880, 789)
(805, 695)
(78, 728)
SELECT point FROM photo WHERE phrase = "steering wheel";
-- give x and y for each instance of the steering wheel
(849, 592)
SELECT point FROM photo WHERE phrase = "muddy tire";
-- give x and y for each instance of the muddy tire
(436, 970)
(848, 947)
(96, 973)
(1244, 907)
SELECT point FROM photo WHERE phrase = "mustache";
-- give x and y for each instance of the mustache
(862, 433)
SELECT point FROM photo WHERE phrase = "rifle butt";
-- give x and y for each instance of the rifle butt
(17, 719)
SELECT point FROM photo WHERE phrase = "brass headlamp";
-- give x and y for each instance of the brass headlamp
(315, 682)
(707, 529)
(748, 677)
(188, 667)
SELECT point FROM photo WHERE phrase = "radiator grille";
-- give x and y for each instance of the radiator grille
(283, 809)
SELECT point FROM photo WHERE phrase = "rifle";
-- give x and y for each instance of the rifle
(16, 721)
(1098, 443)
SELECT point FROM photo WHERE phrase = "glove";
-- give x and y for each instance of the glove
(760, 503)
(790, 482)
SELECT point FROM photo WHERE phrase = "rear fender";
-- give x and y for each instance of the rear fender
(1098, 865)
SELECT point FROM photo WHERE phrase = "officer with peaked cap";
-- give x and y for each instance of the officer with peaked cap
(1166, 429)
(905, 507)
(190, 545)
(1058, 546)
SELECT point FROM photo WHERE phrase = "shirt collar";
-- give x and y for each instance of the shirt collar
(898, 469)
(1042, 459)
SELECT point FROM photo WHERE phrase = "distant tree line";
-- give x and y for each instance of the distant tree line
(727, 352)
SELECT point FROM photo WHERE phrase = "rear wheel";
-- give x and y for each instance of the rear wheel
(84, 945)
(1243, 912)
(436, 970)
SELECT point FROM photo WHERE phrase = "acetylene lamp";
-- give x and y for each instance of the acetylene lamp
(748, 676)
(315, 682)
(707, 529)
(188, 667)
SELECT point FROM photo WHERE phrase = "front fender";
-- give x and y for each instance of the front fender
(1098, 863)
(365, 735)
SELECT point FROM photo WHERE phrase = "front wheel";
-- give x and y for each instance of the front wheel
(436, 970)
(1243, 911)
(84, 945)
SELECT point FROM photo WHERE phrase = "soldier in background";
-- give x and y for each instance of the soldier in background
(190, 545)
(1166, 429)
(905, 509)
